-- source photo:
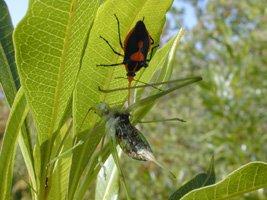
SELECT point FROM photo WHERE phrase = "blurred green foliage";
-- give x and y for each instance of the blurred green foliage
(226, 115)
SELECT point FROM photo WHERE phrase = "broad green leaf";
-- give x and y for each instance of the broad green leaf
(91, 76)
(50, 42)
(198, 181)
(247, 178)
(108, 187)
(18, 113)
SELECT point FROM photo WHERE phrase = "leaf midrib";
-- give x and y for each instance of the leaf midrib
(58, 91)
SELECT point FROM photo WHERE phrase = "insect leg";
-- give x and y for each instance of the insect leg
(119, 30)
(161, 120)
(103, 65)
(30, 184)
(150, 156)
(139, 82)
(101, 153)
(113, 148)
(148, 99)
(111, 47)
(152, 53)
(152, 41)
(186, 81)
(115, 156)
(75, 145)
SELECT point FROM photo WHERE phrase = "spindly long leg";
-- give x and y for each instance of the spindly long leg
(113, 147)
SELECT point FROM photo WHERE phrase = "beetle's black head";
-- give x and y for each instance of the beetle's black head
(140, 31)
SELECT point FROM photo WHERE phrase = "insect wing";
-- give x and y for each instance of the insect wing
(143, 36)
(136, 47)
(130, 45)
(131, 140)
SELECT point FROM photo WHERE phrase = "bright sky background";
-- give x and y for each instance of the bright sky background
(18, 8)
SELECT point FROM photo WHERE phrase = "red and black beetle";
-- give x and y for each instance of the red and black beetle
(136, 47)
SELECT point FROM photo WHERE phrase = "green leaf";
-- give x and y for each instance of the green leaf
(10, 83)
(8, 71)
(59, 181)
(98, 52)
(200, 180)
(92, 171)
(247, 178)
(25, 144)
(50, 42)
(108, 187)
(18, 113)
(163, 58)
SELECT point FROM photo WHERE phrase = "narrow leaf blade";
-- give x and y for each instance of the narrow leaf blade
(16, 118)
(8, 71)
